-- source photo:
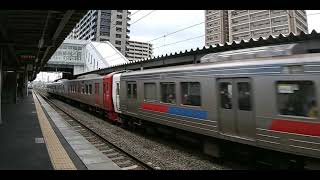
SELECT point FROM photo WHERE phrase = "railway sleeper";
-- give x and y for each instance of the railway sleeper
(125, 163)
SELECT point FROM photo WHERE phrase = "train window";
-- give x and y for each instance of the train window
(150, 91)
(191, 93)
(118, 89)
(129, 90)
(244, 101)
(168, 92)
(297, 98)
(96, 88)
(87, 89)
(134, 90)
(226, 95)
(90, 88)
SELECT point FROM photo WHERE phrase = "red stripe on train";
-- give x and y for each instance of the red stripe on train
(305, 128)
(153, 107)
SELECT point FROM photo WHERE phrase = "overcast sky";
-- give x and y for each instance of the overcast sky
(161, 22)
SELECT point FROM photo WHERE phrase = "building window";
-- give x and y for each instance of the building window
(118, 42)
(150, 92)
(168, 92)
(119, 16)
(120, 11)
(118, 29)
(118, 23)
(297, 98)
(118, 35)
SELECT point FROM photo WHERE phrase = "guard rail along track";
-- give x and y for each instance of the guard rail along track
(120, 157)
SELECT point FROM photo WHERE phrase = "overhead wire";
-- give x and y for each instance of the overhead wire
(134, 13)
(179, 41)
(168, 34)
(143, 17)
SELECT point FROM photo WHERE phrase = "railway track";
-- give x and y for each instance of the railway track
(123, 159)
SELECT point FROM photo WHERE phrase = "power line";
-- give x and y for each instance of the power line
(313, 14)
(134, 13)
(143, 17)
(176, 31)
(179, 41)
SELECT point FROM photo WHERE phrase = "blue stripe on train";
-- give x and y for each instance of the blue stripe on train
(188, 112)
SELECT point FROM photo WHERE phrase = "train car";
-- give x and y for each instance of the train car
(92, 90)
(264, 97)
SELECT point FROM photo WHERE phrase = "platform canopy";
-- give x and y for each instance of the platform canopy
(28, 38)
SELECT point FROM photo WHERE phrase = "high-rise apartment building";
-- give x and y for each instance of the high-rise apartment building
(104, 25)
(216, 26)
(139, 50)
(246, 24)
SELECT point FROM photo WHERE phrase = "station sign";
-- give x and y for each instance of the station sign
(27, 57)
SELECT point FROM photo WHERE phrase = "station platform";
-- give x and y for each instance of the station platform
(31, 139)
(20, 137)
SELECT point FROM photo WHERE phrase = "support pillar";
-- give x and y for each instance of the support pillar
(24, 82)
(1, 59)
(9, 90)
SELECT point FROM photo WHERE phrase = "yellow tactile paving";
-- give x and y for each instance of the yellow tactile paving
(59, 157)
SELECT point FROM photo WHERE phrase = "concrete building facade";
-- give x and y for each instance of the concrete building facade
(246, 24)
(236, 25)
(104, 25)
(216, 27)
(139, 50)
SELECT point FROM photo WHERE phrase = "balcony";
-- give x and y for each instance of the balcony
(128, 31)
(239, 13)
(256, 11)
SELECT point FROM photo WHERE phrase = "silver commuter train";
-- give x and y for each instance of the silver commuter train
(269, 100)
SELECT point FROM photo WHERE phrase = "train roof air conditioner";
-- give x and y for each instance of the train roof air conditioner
(253, 53)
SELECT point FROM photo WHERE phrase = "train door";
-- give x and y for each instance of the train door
(118, 96)
(132, 97)
(104, 88)
(96, 92)
(235, 107)
(115, 92)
